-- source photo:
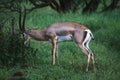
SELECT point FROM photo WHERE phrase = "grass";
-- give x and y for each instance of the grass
(106, 29)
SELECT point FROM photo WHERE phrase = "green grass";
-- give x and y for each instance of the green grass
(106, 29)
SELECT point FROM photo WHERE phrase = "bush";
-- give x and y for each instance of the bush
(12, 49)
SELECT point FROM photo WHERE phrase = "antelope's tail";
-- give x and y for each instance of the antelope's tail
(90, 33)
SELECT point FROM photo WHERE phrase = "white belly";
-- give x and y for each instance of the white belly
(64, 38)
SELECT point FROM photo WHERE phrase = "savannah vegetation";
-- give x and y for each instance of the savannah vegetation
(33, 60)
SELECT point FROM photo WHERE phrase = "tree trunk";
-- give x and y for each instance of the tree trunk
(64, 6)
(91, 6)
(54, 5)
(112, 6)
(12, 26)
(22, 17)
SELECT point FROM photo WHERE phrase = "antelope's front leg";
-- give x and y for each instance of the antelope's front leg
(53, 50)
(56, 54)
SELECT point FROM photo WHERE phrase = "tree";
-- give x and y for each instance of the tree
(112, 6)
(91, 6)
(61, 6)
(12, 48)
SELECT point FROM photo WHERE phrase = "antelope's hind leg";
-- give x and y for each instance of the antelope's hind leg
(86, 53)
(91, 54)
(86, 46)
(83, 43)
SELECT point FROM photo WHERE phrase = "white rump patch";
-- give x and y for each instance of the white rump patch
(88, 30)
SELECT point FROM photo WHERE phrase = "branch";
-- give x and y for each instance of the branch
(55, 6)
(43, 4)
(9, 6)
(20, 14)
(86, 2)
(23, 24)
(33, 2)
(38, 6)
(4, 21)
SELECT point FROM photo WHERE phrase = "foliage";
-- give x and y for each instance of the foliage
(61, 6)
(13, 51)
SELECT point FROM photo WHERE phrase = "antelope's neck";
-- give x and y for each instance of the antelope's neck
(38, 35)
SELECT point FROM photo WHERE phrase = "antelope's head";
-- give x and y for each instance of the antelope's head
(26, 36)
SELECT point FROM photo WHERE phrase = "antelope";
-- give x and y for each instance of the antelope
(64, 31)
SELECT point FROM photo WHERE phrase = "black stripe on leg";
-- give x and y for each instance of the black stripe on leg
(85, 34)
